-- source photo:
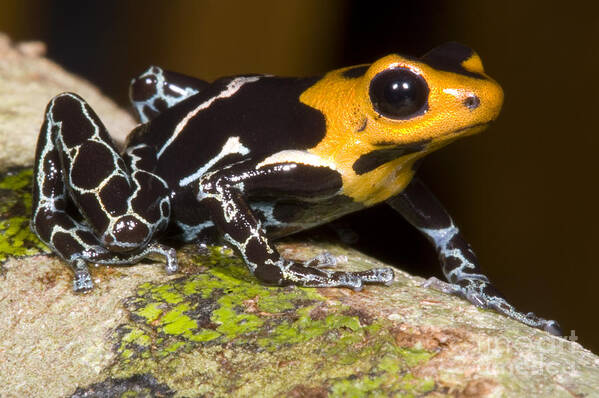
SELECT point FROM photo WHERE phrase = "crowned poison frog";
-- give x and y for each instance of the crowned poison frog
(252, 158)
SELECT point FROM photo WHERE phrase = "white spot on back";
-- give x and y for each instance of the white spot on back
(232, 146)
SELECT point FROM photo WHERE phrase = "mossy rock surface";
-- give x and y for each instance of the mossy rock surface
(16, 238)
(213, 330)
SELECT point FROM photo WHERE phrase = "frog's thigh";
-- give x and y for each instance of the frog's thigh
(156, 90)
(123, 209)
(50, 219)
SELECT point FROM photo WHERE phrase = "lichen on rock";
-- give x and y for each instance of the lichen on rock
(294, 333)
(16, 238)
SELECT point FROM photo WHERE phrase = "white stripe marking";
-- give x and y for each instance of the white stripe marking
(296, 156)
(233, 86)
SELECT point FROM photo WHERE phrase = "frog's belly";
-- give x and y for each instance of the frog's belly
(282, 217)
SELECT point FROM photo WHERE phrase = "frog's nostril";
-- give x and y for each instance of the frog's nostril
(472, 102)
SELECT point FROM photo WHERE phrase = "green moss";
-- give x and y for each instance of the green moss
(189, 328)
(165, 293)
(233, 323)
(174, 347)
(133, 341)
(414, 357)
(276, 303)
(151, 312)
(16, 238)
(388, 378)
(175, 322)
(205, 335)
(17, 180)
(126, 353)
(226, 304)
(304, 328)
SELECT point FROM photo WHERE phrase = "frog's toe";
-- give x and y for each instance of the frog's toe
(169, 254)
(302, 275)
(172, 265)
(439, 285)
(350, 280)
(376, 275)
(82, 281)
(357, 280)
(323, 260)
(552, 327)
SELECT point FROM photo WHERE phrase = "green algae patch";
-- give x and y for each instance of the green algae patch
(220, 331)
(16, 238)
(225, 304)
(387, 378)
(415, 357)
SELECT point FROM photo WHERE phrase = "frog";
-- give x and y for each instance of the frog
(246, 160)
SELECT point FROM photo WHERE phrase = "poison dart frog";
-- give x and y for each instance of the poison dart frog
(249, 159)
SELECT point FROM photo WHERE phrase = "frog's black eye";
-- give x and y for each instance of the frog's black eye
(399, 94)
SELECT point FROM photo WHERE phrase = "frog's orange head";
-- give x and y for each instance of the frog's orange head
(399, 108)
(444, 94)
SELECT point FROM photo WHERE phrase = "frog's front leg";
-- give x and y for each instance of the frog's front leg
(459, 263)
(224, 191)
(119, 206)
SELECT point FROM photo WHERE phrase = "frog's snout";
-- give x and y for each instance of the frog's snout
(481, 95)
(490, 98)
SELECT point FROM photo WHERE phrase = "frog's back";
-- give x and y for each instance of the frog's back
(233, 118)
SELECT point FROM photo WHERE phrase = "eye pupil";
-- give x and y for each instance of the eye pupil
(399, 94)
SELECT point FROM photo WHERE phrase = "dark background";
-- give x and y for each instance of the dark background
(524, 192)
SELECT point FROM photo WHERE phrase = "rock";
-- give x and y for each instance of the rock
(27, 83)
(213, 330)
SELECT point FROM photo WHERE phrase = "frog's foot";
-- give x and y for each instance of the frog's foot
(151, 251)
(483, 295)
(169, 254)
(323, 260)
(82, 281)
(308, 276)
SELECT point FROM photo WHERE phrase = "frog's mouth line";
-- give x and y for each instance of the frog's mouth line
(458, 131)
(419, 145)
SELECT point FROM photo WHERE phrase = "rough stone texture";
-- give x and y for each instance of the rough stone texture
(27, 83)
(213, 330)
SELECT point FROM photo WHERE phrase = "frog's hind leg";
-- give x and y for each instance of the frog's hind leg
(156, 90)
(460, 265)
(119, 207)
